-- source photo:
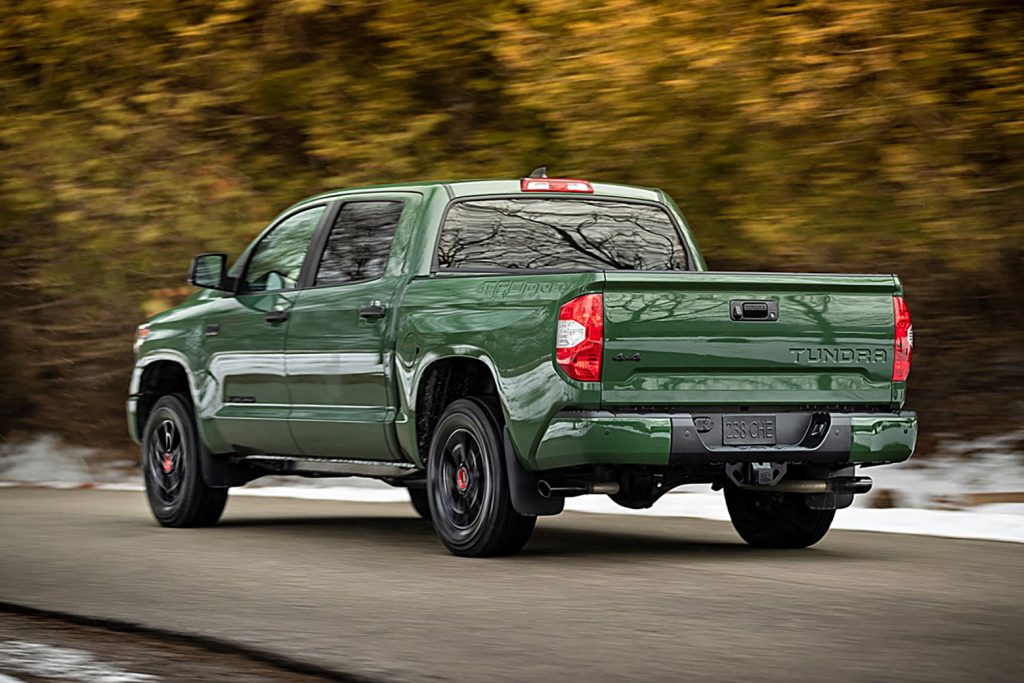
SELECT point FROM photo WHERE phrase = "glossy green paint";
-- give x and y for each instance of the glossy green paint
(831, 344)
(329, 383)
(882, 439)
(620, 440)
(506, 322)
(248, 358)
(339, 366)
(338, 373)
(244, 359)
(246, 362)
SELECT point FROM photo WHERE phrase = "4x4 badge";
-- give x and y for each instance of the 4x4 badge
(621, 357)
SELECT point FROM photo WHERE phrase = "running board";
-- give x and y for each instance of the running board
(337, 467)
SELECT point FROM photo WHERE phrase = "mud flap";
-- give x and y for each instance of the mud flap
(522, 486)
(220, 473)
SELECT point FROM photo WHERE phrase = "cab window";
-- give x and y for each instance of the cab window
(277, 259)
(358, 246)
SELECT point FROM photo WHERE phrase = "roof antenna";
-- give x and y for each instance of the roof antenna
(539, 172)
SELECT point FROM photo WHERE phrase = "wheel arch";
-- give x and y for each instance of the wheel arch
(157, 379)
(443, 380)
(160, 374)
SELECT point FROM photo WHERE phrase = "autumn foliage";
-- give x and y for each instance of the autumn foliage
(823, 135)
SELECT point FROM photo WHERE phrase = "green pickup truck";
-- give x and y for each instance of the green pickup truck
(497, 346)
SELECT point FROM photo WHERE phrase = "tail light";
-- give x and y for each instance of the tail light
(904, 340)
(580, 340)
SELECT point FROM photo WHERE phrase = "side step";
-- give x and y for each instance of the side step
(331, 467)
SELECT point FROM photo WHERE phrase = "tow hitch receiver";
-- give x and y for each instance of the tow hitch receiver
(755, 473)
(835, 492)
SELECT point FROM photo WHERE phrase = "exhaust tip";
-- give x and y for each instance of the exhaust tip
(855, 485)
(544, 489)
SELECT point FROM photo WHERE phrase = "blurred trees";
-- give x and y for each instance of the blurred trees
(828, 135)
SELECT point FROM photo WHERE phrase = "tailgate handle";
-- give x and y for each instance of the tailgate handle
(764, 311)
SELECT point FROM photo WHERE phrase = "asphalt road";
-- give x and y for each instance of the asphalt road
(365, 589)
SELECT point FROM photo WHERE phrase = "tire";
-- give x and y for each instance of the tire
(177, 494)
(467, 485)
(418, 498)
(776, 520)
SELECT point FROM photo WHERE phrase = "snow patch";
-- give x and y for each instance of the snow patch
(47, 458)
(945, 479)
(62, 663)
(353, 494)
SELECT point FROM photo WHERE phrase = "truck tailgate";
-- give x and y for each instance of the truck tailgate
(672, 339)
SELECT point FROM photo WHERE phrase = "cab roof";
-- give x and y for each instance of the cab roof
(474, 188)
(471, 188)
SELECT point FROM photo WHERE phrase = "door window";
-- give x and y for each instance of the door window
(359, 243)
(277, 260)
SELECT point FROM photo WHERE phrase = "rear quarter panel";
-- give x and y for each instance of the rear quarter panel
(508, 323)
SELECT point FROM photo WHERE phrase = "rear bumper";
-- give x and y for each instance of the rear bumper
(673, 440)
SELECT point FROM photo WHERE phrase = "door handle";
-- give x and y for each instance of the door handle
(374, 311)
(278, 315)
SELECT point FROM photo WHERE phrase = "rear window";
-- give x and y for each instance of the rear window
(566, 234)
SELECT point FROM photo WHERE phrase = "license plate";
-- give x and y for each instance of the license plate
(748, 430)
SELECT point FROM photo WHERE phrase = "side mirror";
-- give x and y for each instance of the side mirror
(210, 272)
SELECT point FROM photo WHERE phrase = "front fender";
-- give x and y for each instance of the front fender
(203, 399)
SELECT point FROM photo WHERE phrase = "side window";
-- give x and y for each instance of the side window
(277, 259)
(359, 243)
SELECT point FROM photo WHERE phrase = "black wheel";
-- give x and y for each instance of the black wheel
(468, 487)
(177, 494)
(418, 497)
(776, 520)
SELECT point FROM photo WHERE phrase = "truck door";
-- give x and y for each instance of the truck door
(244, 338)
(340, 347)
